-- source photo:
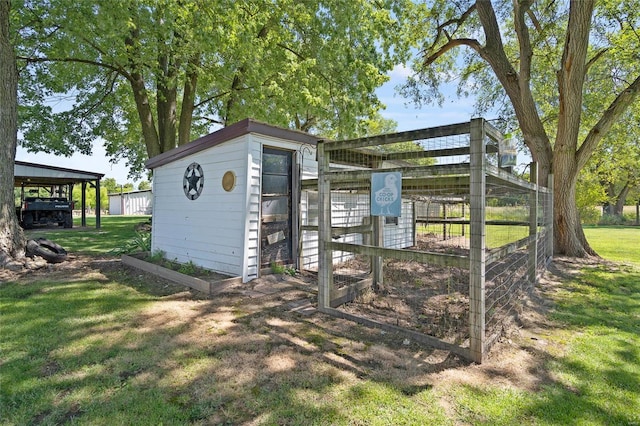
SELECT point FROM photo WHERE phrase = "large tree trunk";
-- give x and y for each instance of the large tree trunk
(621, 199)
(569, 238)
(566, 156)
(12, 240)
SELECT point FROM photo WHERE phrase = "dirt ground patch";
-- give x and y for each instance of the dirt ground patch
(260, 321)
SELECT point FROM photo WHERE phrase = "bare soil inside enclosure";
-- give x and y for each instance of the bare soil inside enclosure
(266, 314)
(432, 299)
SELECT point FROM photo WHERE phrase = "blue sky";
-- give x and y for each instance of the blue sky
(398, 108)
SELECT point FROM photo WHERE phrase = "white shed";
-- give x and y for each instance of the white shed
(130, 203)
(232, 201)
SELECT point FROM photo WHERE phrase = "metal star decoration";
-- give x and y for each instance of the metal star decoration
(193, 181)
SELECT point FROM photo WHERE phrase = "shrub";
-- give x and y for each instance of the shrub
(611, 219)
(141, 242)
(281, 269)
(589, 215)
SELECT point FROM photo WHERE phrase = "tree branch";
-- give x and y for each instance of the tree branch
(451, 44)
(141, 97)
(516, 87)
(188, 99)
(211, 98)
(571, 75)
(595, 58)
(210, 120)
(524, 41)
(287, 48)
(442, 28)
(609, 117)
(110, 83)
(118, 70)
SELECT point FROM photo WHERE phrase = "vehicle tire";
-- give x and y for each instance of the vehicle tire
(27, 221)
(68, 220)
(46, 249)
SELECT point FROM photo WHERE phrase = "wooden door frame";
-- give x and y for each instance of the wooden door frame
(294, 201)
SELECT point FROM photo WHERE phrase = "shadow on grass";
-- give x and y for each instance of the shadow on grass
(105, 349)
(117, 347)
(597, 380)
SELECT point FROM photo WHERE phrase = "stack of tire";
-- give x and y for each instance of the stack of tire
(46, 249)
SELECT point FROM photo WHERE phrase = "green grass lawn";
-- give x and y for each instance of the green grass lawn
(86, 347)
(495, 235)
(115, 231)
(617, 243)
(594, 378)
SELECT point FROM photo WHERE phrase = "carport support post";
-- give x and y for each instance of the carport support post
(325, 254)
(83, 204)
(98, 208)
(477, 236)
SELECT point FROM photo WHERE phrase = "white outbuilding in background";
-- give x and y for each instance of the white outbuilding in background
(130, 203)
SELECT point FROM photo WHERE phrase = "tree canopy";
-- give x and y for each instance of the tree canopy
(148, 75)
(612, 175)
(561, 73)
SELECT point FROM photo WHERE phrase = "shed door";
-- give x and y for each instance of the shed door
(276, 219)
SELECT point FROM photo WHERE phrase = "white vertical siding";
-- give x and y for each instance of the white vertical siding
(251, 268)
(348, 209)
(115, 204)
(130, 203)
(137, 203)
(208, 231)
(401, 235)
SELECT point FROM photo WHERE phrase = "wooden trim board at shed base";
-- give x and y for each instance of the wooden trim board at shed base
(207, 287)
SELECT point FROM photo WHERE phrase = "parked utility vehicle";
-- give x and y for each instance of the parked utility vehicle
(41, 208)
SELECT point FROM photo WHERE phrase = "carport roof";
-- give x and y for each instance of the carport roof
(31, 174)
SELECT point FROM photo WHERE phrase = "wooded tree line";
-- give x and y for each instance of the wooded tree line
(146, 76)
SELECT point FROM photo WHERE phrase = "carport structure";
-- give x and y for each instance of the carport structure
(33, 175)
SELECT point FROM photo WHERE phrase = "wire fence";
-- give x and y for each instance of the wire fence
(425, 233)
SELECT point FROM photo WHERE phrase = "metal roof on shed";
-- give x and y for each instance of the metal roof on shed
(235, 130)
(40, 174)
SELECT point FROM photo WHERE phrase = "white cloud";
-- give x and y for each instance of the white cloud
(400, 72)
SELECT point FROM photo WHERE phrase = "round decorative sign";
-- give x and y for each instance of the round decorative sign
(229, 181)
(193, 181)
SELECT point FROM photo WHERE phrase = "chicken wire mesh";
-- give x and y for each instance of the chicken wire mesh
(402, 256)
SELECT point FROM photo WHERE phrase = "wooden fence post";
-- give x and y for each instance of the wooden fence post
(377, 262)
(533, 224)
(477, 236)
(325, 254)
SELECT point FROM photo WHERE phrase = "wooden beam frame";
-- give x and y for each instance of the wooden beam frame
(477, 263)
(440, 259)
(472, 180)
